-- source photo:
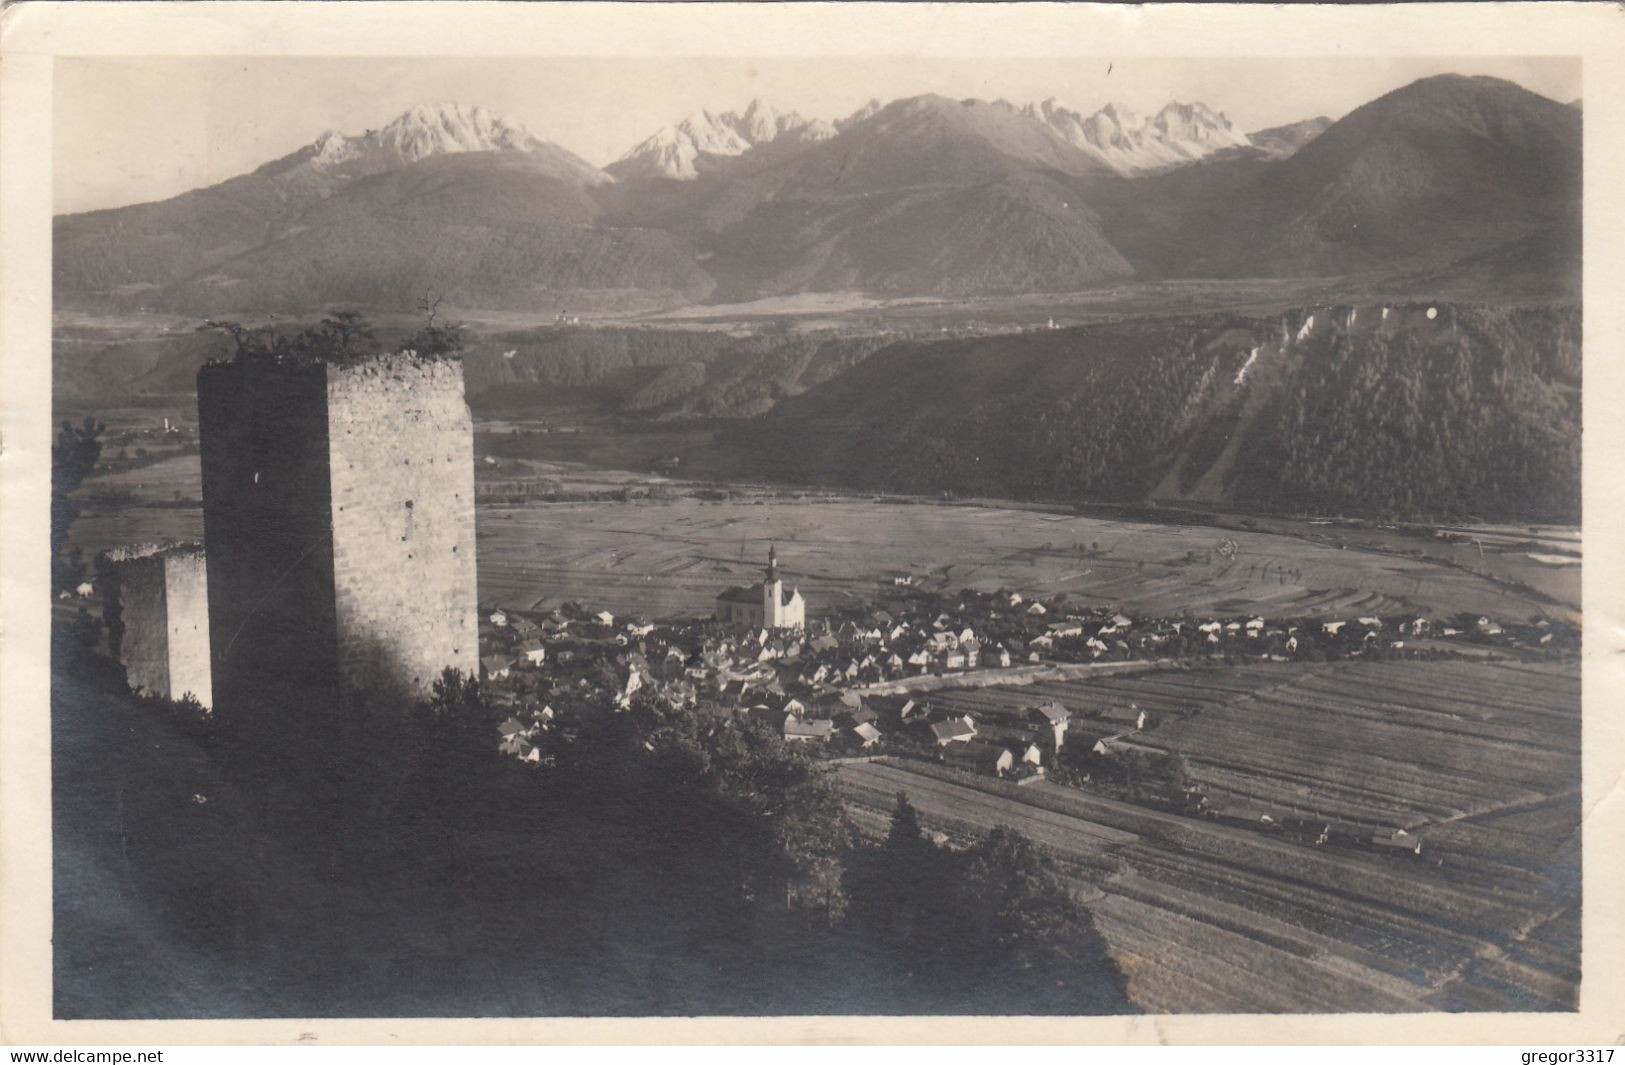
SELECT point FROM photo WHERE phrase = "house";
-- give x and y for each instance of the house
(533, 652)
(982, 758)
(513, 727)
(866, 733)
(85, 590)
(496, 667)
(604, 618)
(499, 619)
(1022, 740)
(1057, 717)
(953, 730)
(860, 715)
(798, 729)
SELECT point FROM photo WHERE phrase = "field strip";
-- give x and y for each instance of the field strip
(1016, 675)
(1345, 874)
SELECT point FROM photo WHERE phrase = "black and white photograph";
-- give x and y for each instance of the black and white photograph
(560, 535)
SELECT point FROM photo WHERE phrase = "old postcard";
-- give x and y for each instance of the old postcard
(811, 522)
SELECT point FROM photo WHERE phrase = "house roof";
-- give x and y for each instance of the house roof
(495, 662)
(947, 730)
(1056, 713)
(797, 726)
(980, 753)
(866, 731)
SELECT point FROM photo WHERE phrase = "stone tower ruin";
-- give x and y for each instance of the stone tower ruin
(338, 509)
(156, 603)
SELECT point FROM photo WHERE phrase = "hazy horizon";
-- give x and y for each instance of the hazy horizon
(140, 129)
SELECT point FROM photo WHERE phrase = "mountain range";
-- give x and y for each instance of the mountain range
(1466, 181)
(701, 141)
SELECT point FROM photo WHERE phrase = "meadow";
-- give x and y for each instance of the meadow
(665, 557)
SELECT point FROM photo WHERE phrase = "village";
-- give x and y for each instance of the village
(863, 683)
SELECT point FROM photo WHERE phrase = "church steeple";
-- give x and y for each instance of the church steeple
(772, 564)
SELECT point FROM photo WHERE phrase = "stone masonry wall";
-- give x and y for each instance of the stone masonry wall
(143, 648)
(402, 476)
(186, 598)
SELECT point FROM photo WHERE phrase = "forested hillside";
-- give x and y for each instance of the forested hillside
(653, 373)
(1477, 417)
(1473, 412)
(641, 373)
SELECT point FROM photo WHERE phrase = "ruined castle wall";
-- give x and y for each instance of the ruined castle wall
(143, 648)
(402, 476)
(186, 599)
(267, 532)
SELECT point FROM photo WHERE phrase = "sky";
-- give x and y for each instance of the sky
(133, 130)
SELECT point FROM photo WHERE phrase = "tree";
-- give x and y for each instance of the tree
(435, 338)
(1037, 946)
(905, 836)
(342, 336)
(73, 456)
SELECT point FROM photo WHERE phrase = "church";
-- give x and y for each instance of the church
(767, 606)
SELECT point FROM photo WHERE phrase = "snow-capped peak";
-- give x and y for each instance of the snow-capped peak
(674, 151)
(421, 132)
(1129, 143)
(447, 129)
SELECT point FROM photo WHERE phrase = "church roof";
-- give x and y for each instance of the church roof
(753, 594)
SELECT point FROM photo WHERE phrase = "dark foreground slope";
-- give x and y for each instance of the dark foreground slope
(1473, 412)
